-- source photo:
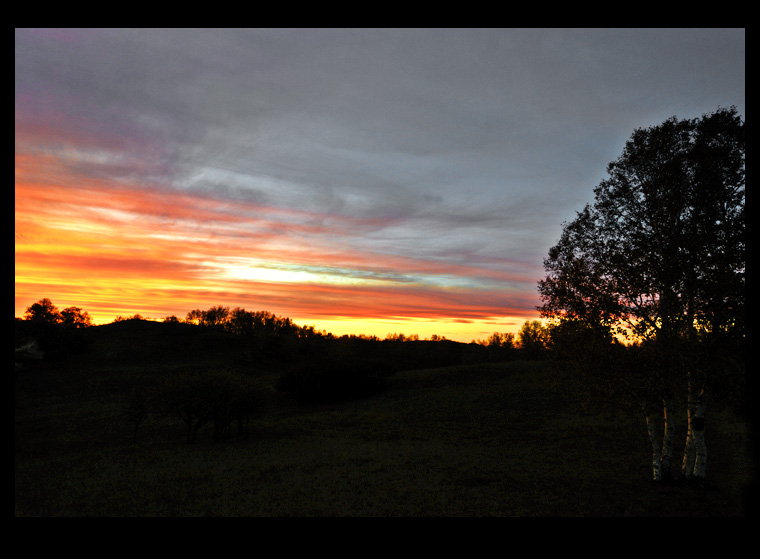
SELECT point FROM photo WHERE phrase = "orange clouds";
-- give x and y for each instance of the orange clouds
(114, 249)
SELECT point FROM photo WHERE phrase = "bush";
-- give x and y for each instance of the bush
(216, 397)
(334, 379)
(54, 341)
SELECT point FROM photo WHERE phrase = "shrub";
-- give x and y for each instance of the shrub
(332, 379)
(216, 397)
(53, 341)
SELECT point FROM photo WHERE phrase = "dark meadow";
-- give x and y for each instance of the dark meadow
(146, 418)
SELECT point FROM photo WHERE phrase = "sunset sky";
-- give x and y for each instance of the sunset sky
(360, 181)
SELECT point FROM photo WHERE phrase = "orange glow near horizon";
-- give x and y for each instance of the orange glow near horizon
(117, 250)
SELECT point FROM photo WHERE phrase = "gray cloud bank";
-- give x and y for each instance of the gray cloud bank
(464, 145)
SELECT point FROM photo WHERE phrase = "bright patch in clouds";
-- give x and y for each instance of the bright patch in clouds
(253, 270)
(249, 269)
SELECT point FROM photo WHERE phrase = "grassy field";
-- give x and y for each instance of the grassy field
(500, 439)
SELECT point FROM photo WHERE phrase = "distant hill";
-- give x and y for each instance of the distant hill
(137, 342)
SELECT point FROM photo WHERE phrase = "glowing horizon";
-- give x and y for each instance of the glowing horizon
(120, 250)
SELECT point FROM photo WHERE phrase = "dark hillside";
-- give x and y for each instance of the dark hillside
(144, 342)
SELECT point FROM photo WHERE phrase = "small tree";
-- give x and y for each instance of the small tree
(43, 311)
(195, 316)
(241, 321)
(505, 340)
(135, 411)
(75, 317)
(54, 331)
(532, 337)
(216, 316)
(216, 397)
(186, 395)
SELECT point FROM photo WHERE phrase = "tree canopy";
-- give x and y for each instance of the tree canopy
(661, 250)
(43, 311)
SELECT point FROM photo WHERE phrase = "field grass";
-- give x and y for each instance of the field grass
(500, 439)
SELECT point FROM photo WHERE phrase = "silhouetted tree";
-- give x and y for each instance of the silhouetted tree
(43, 311)
(54, 331)
(195, 316)
(216, 316)
(659, 257)
(498, 346)
(241, 321)
(532, 337)
(504, 340)
(401, 337)
(216, 397)
(75, 317)
(236, 400)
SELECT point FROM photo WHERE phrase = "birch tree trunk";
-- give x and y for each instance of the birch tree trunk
(656, 449)
(662, 443)
(695, 451)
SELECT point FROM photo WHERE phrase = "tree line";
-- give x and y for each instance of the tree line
(45, 312)
(533, 336)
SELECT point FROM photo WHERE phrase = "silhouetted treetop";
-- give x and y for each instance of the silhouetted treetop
(43, 311)
(662, 247)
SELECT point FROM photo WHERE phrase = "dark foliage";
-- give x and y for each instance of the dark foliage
(54, 340)
(661, 252)
(333, 379)
(216, 397)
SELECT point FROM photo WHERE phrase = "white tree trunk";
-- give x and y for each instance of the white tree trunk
(662, 443)
(656, 448)
(695, 451)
